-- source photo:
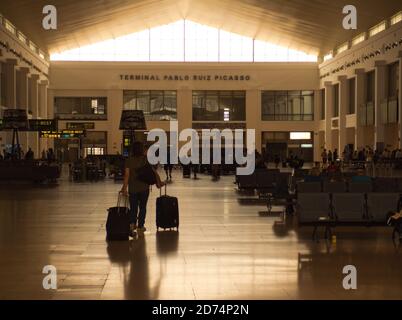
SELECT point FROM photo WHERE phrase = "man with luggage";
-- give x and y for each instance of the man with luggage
(137, 189)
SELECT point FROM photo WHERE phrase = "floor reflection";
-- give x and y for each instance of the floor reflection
(133, 260)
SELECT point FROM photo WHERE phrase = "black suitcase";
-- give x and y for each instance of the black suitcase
(186, 171)
(167, 212)
(118, 221)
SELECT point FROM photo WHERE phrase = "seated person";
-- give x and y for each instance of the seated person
(316, 170)
(332, 168)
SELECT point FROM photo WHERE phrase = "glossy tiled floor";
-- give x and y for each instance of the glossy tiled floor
(224, 249)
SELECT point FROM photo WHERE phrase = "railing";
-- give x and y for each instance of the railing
(21, 37)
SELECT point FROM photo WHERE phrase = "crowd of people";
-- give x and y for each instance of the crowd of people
(19, 154)
(366, 154)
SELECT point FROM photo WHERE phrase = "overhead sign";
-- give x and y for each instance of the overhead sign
(15, 119)
(35, 125)
(63, 134)
(80, 125)
(132, 120)
(42, 125)
(218, 125)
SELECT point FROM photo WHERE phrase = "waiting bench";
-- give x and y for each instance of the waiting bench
(344, 209)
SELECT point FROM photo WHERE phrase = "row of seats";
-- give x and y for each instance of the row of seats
(263, 179)
(360, 208)
(383, 185)
(30, 172)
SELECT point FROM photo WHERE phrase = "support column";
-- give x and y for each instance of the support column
(343, 105)
(253, 115)
(33, 137)
(11, 90)
(184, 108)
(380, 95)
(400, 100)
(114, 109)
(22, 101)
(360, 100)
(43, 112)
(317, 117)
(11, 83)
(2, 133)
(329, 105)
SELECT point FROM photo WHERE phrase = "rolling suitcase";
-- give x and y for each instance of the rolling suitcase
(186, 171)
(167, 212)
(118, 221)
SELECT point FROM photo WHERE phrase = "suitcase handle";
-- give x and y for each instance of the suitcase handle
(160, 190)
(120, 195)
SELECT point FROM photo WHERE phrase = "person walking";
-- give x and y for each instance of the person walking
(324, 157)
(168, 167)
(137, 190)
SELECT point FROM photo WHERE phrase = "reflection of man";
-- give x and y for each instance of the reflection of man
(138, 286)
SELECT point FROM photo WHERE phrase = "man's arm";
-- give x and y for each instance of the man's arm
(159, 182)
(124, 189)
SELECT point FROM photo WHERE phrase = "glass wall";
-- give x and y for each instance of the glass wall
(156, 104)
(336, 101)
(393, 80)
(370, 87)
(184, 40)
(322, 104)
(219, 106)
(80, 108)
(287, 105)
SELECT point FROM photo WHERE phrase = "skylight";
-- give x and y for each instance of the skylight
(184, 41)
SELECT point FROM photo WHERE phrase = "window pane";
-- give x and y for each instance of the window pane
(225, 106)
(268, 105)
(80, 108)
(211, 106)
(202, 42)
(239, 106)
(143, 101)
(323, 107)
(219, 105)
(281, 107)
(370, 85)
(169, 106)
(268, 52)
(233, 47)
(287, 105)
(336, 101)
(156, 105)
(167, 42)
(295, 107)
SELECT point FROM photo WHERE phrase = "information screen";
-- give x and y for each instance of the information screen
(64, 134)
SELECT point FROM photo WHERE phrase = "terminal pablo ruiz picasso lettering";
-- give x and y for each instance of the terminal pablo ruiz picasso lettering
(155, 77)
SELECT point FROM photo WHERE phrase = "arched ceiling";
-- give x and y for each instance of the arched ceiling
(313, 26)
